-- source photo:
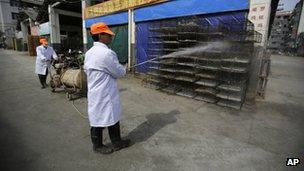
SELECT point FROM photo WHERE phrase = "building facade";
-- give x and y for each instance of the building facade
(280, 32)
(295, 43)
(9, 13)
(295, 20)
(299, 18)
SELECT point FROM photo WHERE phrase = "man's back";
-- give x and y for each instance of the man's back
(102, 68)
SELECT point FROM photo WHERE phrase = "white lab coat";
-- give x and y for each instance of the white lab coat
(44, 56)
(103, 68)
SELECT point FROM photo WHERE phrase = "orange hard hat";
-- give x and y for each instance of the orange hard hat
(43, 41)
(101, 28)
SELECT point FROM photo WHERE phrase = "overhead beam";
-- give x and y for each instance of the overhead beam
(68, 13)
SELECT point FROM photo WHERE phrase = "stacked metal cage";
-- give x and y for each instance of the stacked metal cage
(216, 75)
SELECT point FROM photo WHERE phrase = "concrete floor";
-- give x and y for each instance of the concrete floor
(40, 130)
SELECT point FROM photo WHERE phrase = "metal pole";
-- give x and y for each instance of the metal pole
(84, 30)
(129, 36)
(133, 38)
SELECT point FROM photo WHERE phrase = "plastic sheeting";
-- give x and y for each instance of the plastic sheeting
(178, 8)
(119, 43)
(142, 33)
(144, 36)
(114, 19)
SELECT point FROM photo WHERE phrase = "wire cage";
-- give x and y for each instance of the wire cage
(190, 62)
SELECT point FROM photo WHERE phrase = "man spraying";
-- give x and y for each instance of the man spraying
(45, 54)
(104, 109)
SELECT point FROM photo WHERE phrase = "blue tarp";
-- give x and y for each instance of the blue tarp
(142, 33)
(173, 9)
(145, 37)
(114, 19)
(178, 8)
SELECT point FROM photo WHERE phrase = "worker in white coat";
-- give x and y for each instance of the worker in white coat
(45, 54)
(104, 109)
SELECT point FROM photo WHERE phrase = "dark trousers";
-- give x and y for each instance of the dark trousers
(42, 78)
(114, 133)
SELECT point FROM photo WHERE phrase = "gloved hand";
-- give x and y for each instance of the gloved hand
(48, 62)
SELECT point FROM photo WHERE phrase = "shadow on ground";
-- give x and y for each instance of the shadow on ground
(14, 155)
(155, 122)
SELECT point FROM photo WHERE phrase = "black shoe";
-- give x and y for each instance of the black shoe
(103, 149)
(121, 144)
(96, 137)
(43, 87)
(118, 143)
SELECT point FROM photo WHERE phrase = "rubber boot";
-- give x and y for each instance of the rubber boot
(45, 77)
(118, 143)
(41, 79)
(96, 137)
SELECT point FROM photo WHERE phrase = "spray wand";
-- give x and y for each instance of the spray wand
(211, 46)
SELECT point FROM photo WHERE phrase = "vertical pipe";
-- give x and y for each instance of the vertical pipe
(129, 36)
(84, 31)
(133, 39)
(133, 27)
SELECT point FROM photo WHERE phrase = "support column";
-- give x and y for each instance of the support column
(84, 30)
(131, 38)
(54, 27)
(24, 35)
(2, 20)
(301, 22)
